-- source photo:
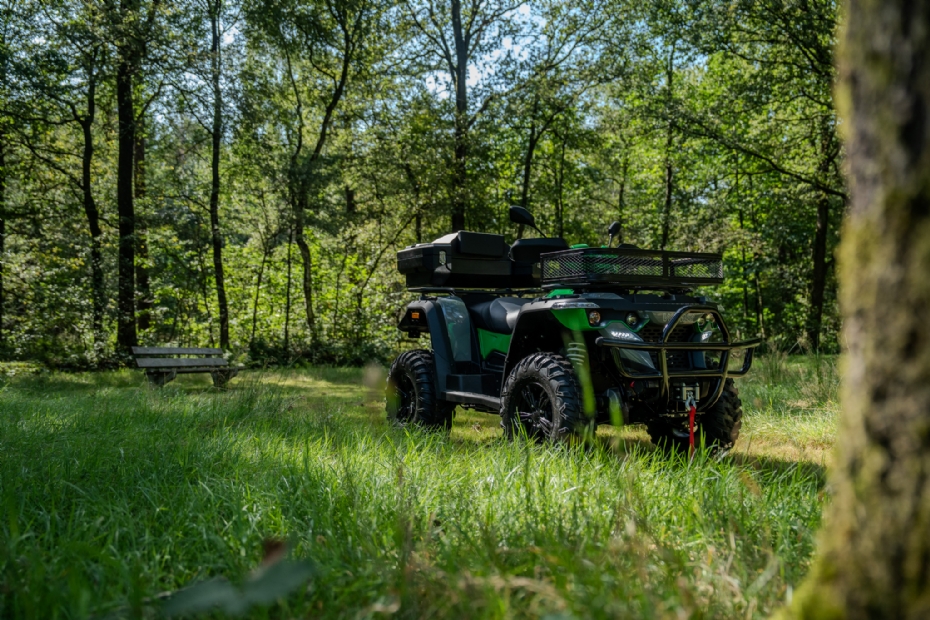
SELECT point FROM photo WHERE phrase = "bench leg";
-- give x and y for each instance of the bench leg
(159, 378)
(222, 377)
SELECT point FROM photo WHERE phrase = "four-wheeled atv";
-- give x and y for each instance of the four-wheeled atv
(556, 340)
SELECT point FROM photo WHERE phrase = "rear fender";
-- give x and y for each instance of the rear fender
(425, 316)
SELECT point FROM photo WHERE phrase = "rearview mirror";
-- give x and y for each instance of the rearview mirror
(612, 231)
(519, 215)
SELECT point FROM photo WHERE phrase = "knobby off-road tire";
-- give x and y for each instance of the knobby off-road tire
(720, 425)
(411, 395)
(542, 400)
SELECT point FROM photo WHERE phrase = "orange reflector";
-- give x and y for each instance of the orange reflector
(414, 315)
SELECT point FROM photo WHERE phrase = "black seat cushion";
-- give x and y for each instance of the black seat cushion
(498, 315)
(528, 250)
(479, 245)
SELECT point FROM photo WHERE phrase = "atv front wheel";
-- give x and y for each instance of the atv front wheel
(541, 399)
(411, 396)
(720, 424)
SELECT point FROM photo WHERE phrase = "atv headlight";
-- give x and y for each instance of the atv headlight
(620, 331)
(565, 305)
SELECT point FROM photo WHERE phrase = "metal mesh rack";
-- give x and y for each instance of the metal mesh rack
(632, 267)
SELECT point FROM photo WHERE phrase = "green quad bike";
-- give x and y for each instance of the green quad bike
(557, 340)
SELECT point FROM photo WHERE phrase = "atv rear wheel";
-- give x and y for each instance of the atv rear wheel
(411, 395)
(541, 399)
(720, 424)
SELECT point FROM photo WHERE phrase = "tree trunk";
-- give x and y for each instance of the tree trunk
(287, 300)
(258, 290)
(3, 206)
(621, 198)
(217, 135)
(874, 555)
(669, 179)
(819, 276)
(459, 80)
(144, 301)
(742, 244)
(307, 261)
(2, 230)
(126, 320)
(669, 172)
(97, 291)
(560, 191)
(528, 166)
(821, 233)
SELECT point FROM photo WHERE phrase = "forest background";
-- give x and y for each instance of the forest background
(240, 173)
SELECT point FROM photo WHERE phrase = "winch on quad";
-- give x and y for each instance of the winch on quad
(557, 340)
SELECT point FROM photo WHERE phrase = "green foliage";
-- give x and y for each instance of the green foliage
(707, 126)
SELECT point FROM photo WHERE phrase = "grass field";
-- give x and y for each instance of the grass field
(114, 495)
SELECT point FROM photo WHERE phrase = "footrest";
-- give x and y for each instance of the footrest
(480, 384)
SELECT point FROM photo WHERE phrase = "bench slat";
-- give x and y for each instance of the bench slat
(175, 351)
(155, 362)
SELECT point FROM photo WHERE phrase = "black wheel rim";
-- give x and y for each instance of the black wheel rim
(533, 411)
(402, 399)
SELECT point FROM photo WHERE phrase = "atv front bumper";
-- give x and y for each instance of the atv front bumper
(735, 357)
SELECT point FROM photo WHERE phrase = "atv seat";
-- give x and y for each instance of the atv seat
(497, 315)
(528, 250)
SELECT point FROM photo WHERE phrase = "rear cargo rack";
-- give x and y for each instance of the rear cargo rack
(631, 267)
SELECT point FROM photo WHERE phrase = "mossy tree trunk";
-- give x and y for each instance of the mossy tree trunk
(874, 555)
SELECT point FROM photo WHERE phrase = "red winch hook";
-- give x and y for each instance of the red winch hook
(691, 404)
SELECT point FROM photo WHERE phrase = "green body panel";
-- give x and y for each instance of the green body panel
(560, 291)
(488, 342)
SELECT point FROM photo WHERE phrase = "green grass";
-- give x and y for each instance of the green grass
(113, 494)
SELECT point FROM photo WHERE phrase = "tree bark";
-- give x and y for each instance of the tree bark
(460, 81)
(3, 205)
(217, 135)
(621, 198)
(258, 290)
(821, 233)
(874, 554)
(669, 140)
(307, 262)
(819, 275)
(144, 301)
(560, 190)
(98, 293)
(2, 230)
(126, 320)
(528, 166)
(287, 300)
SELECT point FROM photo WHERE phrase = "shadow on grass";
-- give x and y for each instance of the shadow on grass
(313, 403)
(782, 467)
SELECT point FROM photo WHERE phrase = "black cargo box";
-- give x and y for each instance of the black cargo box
(459, 260)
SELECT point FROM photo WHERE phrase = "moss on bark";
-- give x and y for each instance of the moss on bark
(874, 554)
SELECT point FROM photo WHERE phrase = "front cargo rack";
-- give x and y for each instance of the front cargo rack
(631, 267)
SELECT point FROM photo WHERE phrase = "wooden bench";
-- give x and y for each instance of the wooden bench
(162, 364)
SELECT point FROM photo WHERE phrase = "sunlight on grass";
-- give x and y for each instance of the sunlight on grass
(113, 492)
